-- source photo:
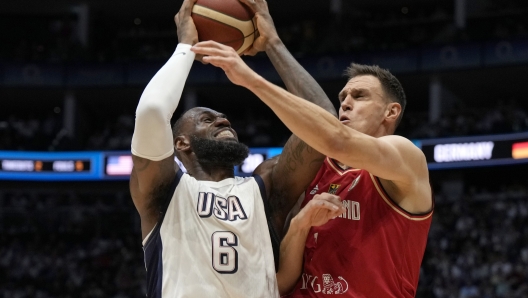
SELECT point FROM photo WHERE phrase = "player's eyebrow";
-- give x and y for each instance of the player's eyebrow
(343, 93)
(212, 114)
(206, 112)
(346, 91)
(359, 90)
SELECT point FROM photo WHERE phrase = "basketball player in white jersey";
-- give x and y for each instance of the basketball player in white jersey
(207, 233)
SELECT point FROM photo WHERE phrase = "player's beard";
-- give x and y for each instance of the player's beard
(218, 153)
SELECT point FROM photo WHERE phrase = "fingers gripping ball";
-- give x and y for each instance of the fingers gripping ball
(229, 22)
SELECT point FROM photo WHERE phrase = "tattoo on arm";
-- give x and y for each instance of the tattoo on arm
(296, 155)
(302, 83)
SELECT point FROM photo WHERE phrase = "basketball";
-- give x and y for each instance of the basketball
(228, 22)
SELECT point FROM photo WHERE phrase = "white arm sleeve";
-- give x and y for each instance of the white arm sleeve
(152, 137)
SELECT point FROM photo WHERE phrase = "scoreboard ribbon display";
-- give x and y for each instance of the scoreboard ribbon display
(476, 151)
(18, 165)
(53, 166)
(445, 153)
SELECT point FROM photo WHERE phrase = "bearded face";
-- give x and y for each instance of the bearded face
(224, 153)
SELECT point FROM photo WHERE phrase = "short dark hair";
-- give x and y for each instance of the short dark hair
(177, 127)
(389, 82)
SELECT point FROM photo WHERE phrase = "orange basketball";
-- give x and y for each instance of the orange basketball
(229, 22)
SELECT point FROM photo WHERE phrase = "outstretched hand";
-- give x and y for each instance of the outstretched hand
(320, 210)
(226, 58)
(186, 29)
(266, 28)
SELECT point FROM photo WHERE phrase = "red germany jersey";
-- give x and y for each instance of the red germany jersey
(373, 250)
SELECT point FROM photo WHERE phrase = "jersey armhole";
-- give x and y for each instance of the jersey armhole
(385, 196)
(275, 240)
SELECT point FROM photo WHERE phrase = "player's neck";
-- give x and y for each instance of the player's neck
(212, 173)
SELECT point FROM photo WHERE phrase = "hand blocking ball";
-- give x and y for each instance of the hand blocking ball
(228, 22)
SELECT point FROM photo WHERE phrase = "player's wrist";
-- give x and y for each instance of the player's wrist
(300, 224)
(254, 82)
(274, 43)
(188, 40)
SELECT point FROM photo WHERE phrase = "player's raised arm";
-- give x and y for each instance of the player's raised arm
(298, 164)
(391, 158)
(152, 142)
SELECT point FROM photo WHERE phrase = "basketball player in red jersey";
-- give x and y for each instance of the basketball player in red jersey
(375, 248)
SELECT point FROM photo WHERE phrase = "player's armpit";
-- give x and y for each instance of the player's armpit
(147, 182)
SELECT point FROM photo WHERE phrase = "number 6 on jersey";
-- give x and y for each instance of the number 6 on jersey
(225, 257)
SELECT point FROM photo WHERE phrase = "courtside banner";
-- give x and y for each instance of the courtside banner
(492, 150)
(50, 166)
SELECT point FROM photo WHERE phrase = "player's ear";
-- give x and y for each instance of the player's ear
(182, 143)
(393, 111)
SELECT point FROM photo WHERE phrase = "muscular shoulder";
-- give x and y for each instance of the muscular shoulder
(412, 156)
(414, 194)
(402, 144)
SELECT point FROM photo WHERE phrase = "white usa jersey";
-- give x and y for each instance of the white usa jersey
(213, 241)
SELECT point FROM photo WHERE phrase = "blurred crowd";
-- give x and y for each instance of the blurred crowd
(34, 133)
(56, 38)
(86, 243)
(478, 246)
(344, 30)
(48, 134)
(70, 245)
(466, 121)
